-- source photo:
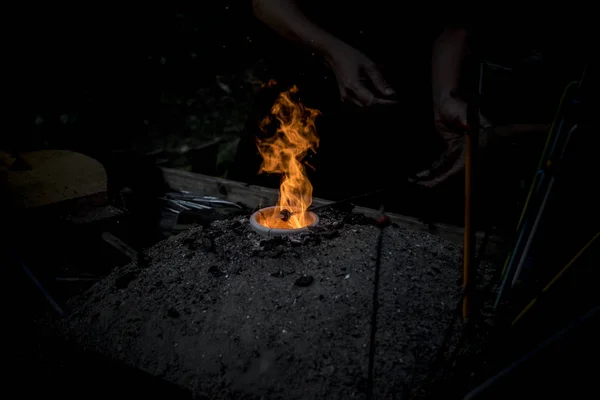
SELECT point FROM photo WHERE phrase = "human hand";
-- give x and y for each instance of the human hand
(450, 117)
(359, 80)
(451, 124)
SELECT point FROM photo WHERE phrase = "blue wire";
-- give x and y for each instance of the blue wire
(37, 283)
(510, 265)
(558, 132)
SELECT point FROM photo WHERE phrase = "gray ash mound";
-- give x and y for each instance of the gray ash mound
(226, 313)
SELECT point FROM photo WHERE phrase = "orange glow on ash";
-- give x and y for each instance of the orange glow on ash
(283, 153)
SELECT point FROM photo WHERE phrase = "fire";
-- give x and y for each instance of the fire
(283, 153)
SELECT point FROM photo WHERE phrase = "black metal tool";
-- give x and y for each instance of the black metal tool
(346, 200)
(286, 214)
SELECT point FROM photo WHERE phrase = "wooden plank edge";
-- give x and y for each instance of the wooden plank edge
(258, 196)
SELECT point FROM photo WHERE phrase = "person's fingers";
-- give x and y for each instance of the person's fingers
(435, 180)
(451, 162)
(459, 120)
(453, 112)
(383, 102)
(447, 132)
(368, 99)
(362, 94)
(378, 81)
(350, 98)
(347, 97)
(432, 182)
(484, 122)
(456, 168)
(460, 117)
(355, 102)
(343, 93)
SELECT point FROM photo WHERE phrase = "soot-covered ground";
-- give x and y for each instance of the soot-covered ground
(226, 313)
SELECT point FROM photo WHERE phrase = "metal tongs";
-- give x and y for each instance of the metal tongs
(186, 201)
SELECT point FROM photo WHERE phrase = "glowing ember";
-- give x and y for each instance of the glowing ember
(272, 218)
(282, 154)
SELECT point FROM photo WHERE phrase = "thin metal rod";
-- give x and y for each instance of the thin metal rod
(540, 212)
(121, 246)
(371, 369)
(556, 278)
(512, 254)
(346, 200)
(543, 156)
(507, 272)
(37, 284)
(532, 234)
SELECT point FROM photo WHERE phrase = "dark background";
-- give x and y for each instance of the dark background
(145, 81)
(122, 76)
(150, 80)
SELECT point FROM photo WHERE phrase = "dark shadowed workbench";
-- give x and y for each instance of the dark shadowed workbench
(258, 196)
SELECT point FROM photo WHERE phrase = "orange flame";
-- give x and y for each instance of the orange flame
(283, 153)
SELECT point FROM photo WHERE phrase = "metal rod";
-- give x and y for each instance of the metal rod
(532, 234)
(556, 278)
(507, 272)
(542, 207)
(513, 252)
(121, 246)
(346, 200)
(57, 308)
(61, 279)
(382, 224)
(544, 151)
(336, 203)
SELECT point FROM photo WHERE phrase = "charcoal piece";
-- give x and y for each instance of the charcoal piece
(304, 281)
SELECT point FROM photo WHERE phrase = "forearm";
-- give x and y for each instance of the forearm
(448, 53)
(287, 19)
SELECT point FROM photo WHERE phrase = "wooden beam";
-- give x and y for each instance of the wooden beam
(258, 196)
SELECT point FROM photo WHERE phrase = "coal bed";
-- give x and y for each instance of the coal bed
(228, 314)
